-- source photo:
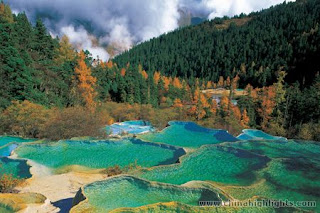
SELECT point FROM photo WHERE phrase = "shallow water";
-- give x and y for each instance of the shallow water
(8, 144)
(188, 134)
(281, 149)
(215, 163)
(100, 154)
(5, 209)
(130, 127)
(18, 168)
(254, 134)
(126, 191)
(293, 173)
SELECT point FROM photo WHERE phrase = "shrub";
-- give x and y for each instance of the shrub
(75, 122)
(24, 119)
(8, 182)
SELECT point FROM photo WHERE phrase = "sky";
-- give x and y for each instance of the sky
(95, 24)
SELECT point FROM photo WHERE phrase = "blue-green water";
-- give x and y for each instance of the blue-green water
(100, 154)
(130, 127)
(254, 134)
(213, 163)
(188, 134)
(18, 168)
(127, 191)
(8, 144)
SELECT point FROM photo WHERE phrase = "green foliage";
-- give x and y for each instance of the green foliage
(286, 36)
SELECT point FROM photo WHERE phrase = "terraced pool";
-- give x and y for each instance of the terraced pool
(128, 191)
(8, 144)
(213, 163)
(18, 168)
(188, 134)
(254, 134)
(100, 154)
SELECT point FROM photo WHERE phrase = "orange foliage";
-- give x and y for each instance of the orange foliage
(234, 83)
(110, 121)
(220, 82)
(167, 82)
(156, 77)
(163, 99)
(245, 118)
(214, 106)
(177, 103)
(144, 74)
(123, 72)
(224, 104)
(109, 64)
(267, 104)
(236, 112)
(214, 86)
(85, 82)
(204, 101)
(209, 85)
(192, 110)
(176, 83)
(196, 95)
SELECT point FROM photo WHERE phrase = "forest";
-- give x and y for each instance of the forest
(49, 89)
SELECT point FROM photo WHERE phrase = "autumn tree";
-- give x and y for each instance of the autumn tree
(209, 85)
(156, 77)
(236, 112)
(224, 106)
(123, 72)
(144, 74)
(267, 99)
(245, 118)
(177, 103)
(220, 82)
(85, 83)
(176, 83)
(214, 107)
(5, 13)
(65, 51)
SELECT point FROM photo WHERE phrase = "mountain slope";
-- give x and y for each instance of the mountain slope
(284, 37)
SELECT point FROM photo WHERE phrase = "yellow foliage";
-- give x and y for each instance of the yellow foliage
(85, 83)
(177, 103)
(176, 83)
(65, 52)
(25, 118)
(156, 77)
(144, 74)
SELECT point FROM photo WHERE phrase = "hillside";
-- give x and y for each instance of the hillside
(285, 37)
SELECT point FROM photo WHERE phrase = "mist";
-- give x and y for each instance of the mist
(107, 28)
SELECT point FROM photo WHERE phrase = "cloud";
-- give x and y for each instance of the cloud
(95, 24)
(82, 40)
(220, 8)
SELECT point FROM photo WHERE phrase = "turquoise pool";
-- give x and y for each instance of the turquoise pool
(127, 191)
(9, 143)
(213, 163)
(188, 134)
(100, 154)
